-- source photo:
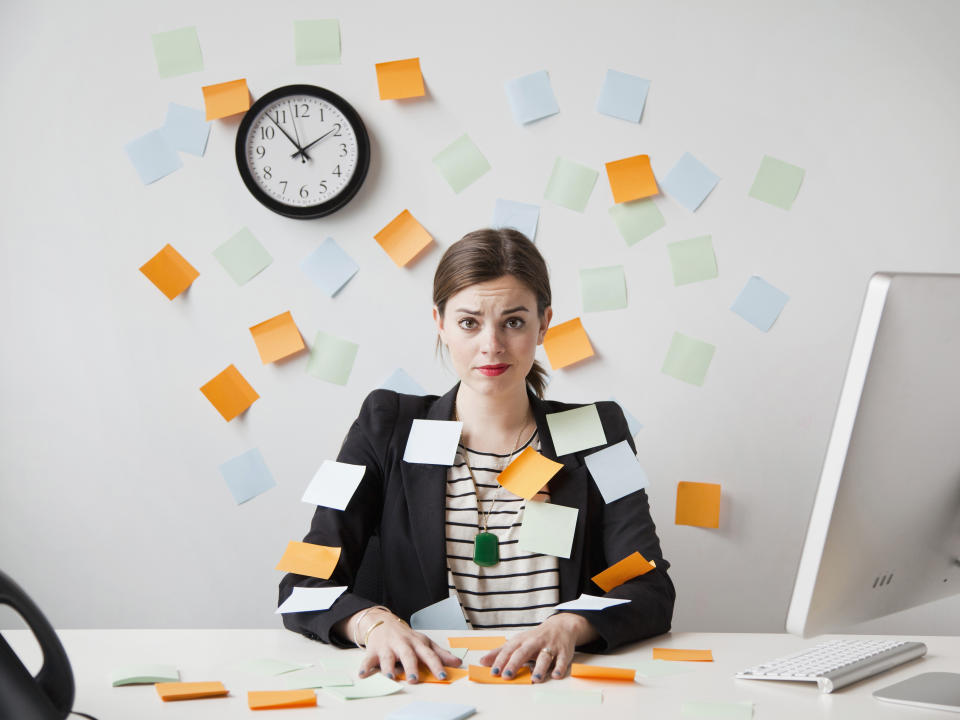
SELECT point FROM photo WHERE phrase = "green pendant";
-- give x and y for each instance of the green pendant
(486, 549)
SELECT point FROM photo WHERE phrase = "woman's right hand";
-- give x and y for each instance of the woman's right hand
(393, 641)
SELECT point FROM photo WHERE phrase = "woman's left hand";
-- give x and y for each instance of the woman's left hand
(549, 645)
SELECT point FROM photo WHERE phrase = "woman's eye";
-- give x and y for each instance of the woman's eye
(515, 323)
(468, 323)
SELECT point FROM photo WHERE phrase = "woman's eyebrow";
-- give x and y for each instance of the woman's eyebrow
(518, 308)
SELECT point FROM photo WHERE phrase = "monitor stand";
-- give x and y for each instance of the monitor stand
(936, 690)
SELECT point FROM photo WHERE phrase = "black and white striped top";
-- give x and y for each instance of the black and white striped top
(522, 589)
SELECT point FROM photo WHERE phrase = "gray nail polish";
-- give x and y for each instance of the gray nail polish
(536, 676)
(508, 673)
(390, 675)
(495, 671)
(413, 678)
(443, 676)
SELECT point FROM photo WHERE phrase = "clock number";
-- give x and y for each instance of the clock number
(267, 172)
(261, 151)
(337, 131)
(336, 171)
(266, 133)
(306, 111)
(284, 116)
(284, 183)
(303, 191)
(323, 186)
(343, 150)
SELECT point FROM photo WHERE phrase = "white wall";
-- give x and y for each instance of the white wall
(112, 510)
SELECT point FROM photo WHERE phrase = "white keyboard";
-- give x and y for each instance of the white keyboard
(836, 663)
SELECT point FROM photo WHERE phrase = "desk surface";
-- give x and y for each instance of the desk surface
(210, 655)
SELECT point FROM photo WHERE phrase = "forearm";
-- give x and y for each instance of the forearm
(578, 626)
(355, 628)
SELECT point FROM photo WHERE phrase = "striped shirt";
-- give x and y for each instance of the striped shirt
(520, 590)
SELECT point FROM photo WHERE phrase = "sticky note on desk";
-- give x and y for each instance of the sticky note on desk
(400, 79)
(591, 602)
(177, 52)
(461, 163)
(189, 690)
(692, 260)
(316, 678)
(334, 484)
(570, 184)
(477, 642)
(277, 338)
(443, 615)
(777, 182)
(637, 219)
(517, 215)
(143, 674)
(760, 303)
(719, 710)
(698, 504)
(186, 129)
(403, 238)
(615, 471)
(623, 96)
(226, 99)
(562, 696)
(247, 476)
(152, 156)
(276, 699)
(633, 565)
(169, 271)
(374, 686)
(567, 343)
(682, 655)
(269, 666)
(689, 182)
(603, 288)
(526, 475)
(482, 674)
(531, 97)
(307, 599)
(433, 442)
(426, 710)
(316, 42)
(308, 559)
(230, 393)
(242, 256)
(663, 668)
(548, 529)
(329, 267)
(575, 430)
(599, 672)
(631, 178)
(688, 359)
(332, 358)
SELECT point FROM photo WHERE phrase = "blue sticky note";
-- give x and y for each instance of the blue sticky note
(425, 710)
(247, 476)
(689, 182)
(401, 382)
(329, 267)
(517, 215)
(186, 129)
(632, 422)
(616, 471)
(443, 615)
(759, 303)
(152, 156)
(623, 96)
(531, 97)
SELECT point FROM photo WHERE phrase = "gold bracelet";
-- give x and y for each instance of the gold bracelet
(356, 627)
(373, 627)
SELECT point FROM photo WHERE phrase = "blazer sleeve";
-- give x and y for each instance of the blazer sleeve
(348, 529)
(627, 528)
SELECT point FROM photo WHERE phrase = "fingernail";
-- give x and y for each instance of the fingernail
(413, 678)
(390, 675)
(536, 676)
(495, 671)
(557, 675)
(443, 676)
(508, 673)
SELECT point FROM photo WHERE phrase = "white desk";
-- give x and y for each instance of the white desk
(209, 654)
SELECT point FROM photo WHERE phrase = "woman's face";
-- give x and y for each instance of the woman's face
(492, 331)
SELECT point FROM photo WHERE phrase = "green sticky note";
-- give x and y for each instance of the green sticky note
(316, 42)
(723, 710)
(461, 163)
(692, 260)
(143, 674)
(777, 182)
(663, 668)
(575, 430)
(637, 219)
(374, 686)
(177, 52)
(558, 696)
(269, 666)
(242, 256)
(547, 529)
(459, 652)
(310, 679)
(331, 358)
(688, 359)
(570, 184)
(603, 288)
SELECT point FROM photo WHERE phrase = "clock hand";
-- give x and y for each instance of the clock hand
(301, 150)
(287, 135)
(303, 155)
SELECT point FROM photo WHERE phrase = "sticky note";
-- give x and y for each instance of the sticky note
(760, 303)
(443, 615)
(303, 558)
(570, 184)
(599, 672)
(169, 271)
(548, 529)
(567, 343)
(334, 484)
(591, 602)
(186, 129)
(426, 710)
(632, 423)
(631, 179)
(433, 442)
(242, 256)
(603, 288)
(268, 666)
(689, 182)
(277, 338)
(563, 696)
(226, 99)
(310, 599)
(169, 691)
(374, 686)
(143, 674)
(576, 430)
(276, 699)
(698, 504)
(400, 79)
(482, 674)
(742, 710)
(662, 668)
(152, 156)
(692, 260)
(329, 267)
(230, 393)
(637, 220)
(177, 52)
(615, 471)
(688, 359)
(403, 238)
(527, 473)
(531, 97)
(316, 678)
(332, 358)
(682, 655)
(461, 163)
(517, 215)
(477, 642)
(425, 676)
(401, 382)
(247, 476)
(777, 182)
(316, 42)
(459, 652)
(633, 565)
(623, 96)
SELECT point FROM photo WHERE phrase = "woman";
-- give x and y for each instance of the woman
(453, 531)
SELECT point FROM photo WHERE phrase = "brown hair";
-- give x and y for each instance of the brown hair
(488, 254)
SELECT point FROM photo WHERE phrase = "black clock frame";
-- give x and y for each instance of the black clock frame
(363, 153)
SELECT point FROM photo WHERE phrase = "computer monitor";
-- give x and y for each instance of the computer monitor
(884, 534)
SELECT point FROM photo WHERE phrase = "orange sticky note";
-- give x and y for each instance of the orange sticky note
(276, 699)
(682, 655)
(598, 672)
(189, 690)
(631, 178)
(482, 642)
(631, 566)
(482, 674)
(403, 238)
(308, 559)
(230, 393)
(425, 676)
(277, 338)
(567, 343)
(169, 271)
(400, 79)
(698, 504)
(226, 99)
(528, 473)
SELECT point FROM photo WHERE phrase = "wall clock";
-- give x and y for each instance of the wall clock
(302, 151)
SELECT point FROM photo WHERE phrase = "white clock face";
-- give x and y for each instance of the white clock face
(301, 150)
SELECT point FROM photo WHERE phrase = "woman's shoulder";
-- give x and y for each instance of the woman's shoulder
(399, 406)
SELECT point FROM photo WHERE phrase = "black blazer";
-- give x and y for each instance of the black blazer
(403, 506)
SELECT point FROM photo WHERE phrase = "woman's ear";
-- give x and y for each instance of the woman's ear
(438, 319)
(544, 324)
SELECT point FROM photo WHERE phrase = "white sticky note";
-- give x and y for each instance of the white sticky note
(401, 382)
(433, 442)
(663, 668)
(426, 710)
(591, 602)
(269, 666)
(144, 675)
(307, 599)
(548, 529)
(152, 156)
(742, 710)
(575, 430)
(517, 215)
(760, 303)
(329, 267)
(316, 678)
(334, 484)
(623, 96)
(616, 471)
(531, 97)
(376, 685)
(689, 182)
(186, 129)
(443, 615)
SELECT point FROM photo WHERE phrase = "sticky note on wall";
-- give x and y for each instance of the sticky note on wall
(567, 343)
(230, 393)
(226, 99)
(631, 178)
(277, 338)
(403, 238)
(400, 79)
(169, 271)
(698, 504)
(177, 52)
